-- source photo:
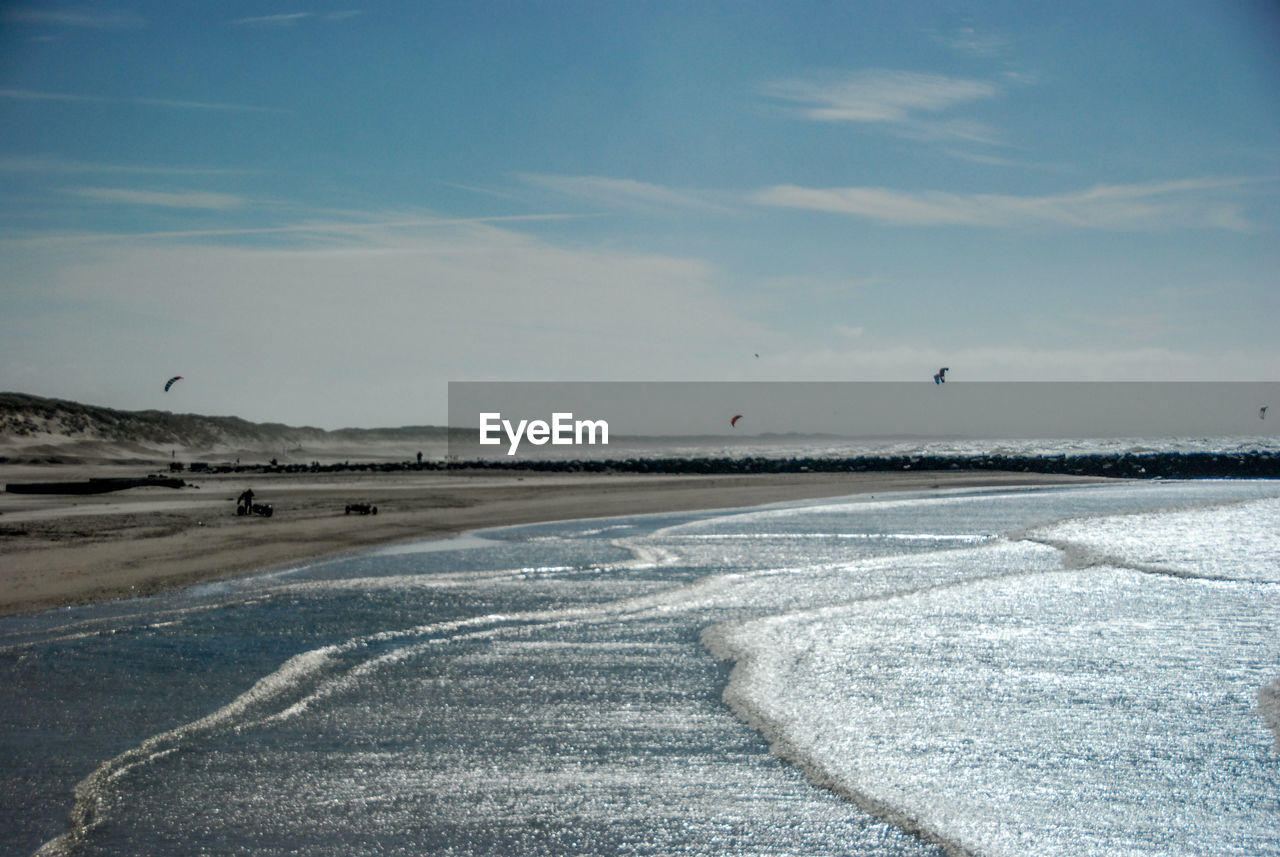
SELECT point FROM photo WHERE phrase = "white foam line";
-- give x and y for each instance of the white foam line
(365, 668)
(1078, 556)
(970, 538)
(424, 581)
(782, 746)
(644, 555)
(871, 502)
(293, 673)
(656, 604)
(89, 793)
(110, 625)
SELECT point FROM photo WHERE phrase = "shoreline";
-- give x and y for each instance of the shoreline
(65, 550)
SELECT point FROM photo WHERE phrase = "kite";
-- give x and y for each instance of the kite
(169, 383)
(734, 421)
(1262, 412)
(941, 377)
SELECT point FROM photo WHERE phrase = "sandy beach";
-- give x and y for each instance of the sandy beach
(58, 550)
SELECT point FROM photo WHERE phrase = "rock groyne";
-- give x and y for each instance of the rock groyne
(1158, 465)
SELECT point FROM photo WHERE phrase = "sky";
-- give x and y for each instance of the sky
(322, 213)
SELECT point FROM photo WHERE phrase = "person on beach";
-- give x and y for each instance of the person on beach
(246, 500)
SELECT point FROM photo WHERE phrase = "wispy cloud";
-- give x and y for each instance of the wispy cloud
(35, 95)
(971, 42)
(173, 103)
(318, 231)
(292, 19)
(627, 193)
(39, 164)
(453, 297)
(877, 96)
(282, 20)
(86, 17)
(1186, 203)
(961, 154)
(183, 104)
(907, 103)
(164, 199)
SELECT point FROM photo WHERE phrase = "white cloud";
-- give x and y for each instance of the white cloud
(36, 95)
(317, 232)
(290, 19)
(626, 193)
(45, 164)
(367, 325)
(877, 96)
(182, 104)
(971, 42)
(281, 20)
(164, 199)
(917, 209)
(1196, 203)
(907, 103)
(85, 17)
(365, 321)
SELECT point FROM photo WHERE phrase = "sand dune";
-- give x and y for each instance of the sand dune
(34, 429)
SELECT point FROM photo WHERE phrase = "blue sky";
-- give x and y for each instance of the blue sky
(322, 213)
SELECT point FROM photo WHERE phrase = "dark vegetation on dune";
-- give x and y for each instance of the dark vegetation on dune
(28, 417)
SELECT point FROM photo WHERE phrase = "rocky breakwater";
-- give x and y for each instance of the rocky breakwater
(1255, 464)
(1161, 465)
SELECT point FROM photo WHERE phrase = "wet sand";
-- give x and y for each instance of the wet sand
(58, 550)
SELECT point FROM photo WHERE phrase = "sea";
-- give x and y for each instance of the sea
(816, 446)
(1087, 669)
